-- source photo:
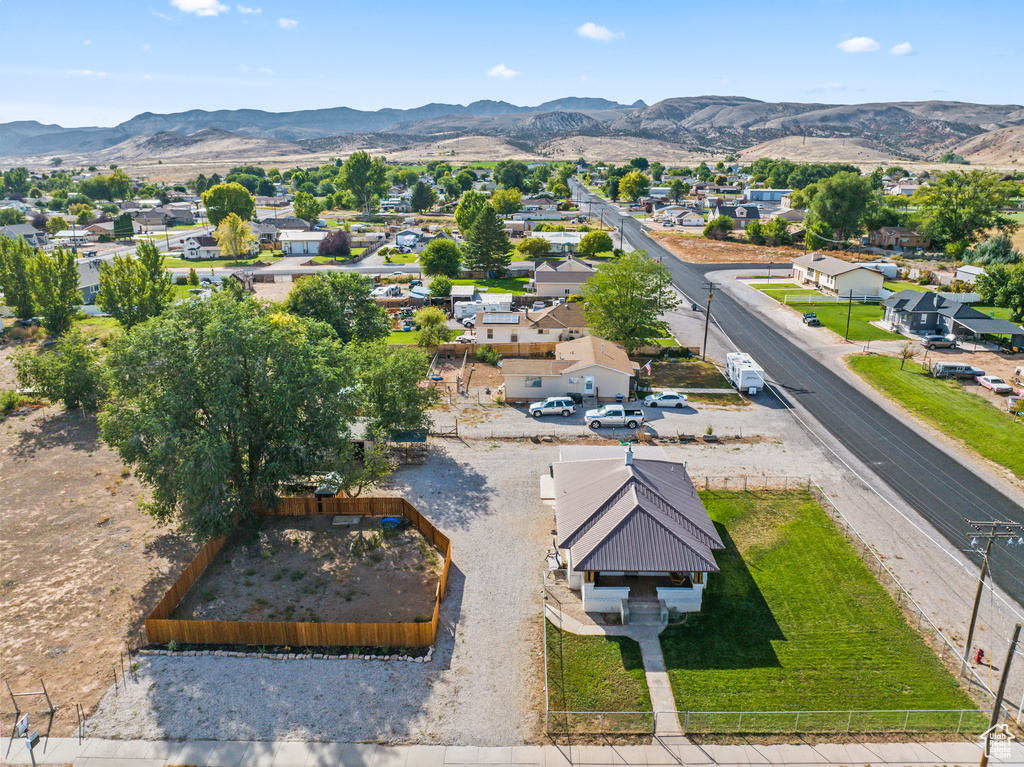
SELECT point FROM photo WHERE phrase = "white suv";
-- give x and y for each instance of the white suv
(562, 406)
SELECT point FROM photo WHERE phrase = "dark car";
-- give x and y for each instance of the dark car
(810, 318)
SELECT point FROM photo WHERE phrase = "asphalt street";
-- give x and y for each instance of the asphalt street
(940, 488)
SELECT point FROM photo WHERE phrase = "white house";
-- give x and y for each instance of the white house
(72, 237)
(561, 322)
(589, 366)
(296, 243)
(690, 218)
(837, 276)
(561, 242)
(968, 273)
(200, 247)
(558, 279)
(632, 530)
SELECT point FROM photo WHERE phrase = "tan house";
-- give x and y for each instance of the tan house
(562, 322)
(558, 279)
(899, 238)
(836, 276)
(589, 366)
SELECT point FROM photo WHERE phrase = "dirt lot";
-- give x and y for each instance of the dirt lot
(306, 569)
(81, 565)
(695, 375)
(478, 374)
(701, 251)
(993, 363)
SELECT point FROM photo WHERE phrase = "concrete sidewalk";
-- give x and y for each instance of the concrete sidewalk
(664, 751)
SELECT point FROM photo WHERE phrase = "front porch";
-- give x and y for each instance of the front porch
(641, 593)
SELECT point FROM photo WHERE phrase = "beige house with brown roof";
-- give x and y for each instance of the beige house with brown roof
(558, 279)
(561, 322)
(589, 366)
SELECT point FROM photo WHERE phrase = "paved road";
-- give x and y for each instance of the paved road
(936, 485)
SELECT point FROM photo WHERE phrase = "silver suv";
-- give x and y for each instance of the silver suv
(562, 406)
(935, 340)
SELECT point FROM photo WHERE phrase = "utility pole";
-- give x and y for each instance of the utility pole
(707, 319)
(1009, 530)
(997, 705)
(849, 312)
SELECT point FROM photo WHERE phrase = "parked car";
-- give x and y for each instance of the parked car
(955, 370)
(995, 383)
(614, 415)
(31, 322)
(667, 223)
(937, 341)
(469, 322)
(88, 253)
(811, 319)
(666, 399)
(562, 406)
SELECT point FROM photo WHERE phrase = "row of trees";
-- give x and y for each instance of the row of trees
(40, 284)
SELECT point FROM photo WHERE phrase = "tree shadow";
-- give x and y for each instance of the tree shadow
(67, 428)
(735, 626)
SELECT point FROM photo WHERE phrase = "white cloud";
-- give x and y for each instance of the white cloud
(287, 23)
(249, 11)
(858, 45)
(265, 71)
(597, 32)
(146, 46)
(200, 7)
(903, 49)
(87, 42)
(586, 79)
(159, 15)
(86, 73)
(503, 72)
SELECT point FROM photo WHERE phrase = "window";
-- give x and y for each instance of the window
(567, 292)
(532, 382)
(515, 337)
(542, 331)
(490, 333)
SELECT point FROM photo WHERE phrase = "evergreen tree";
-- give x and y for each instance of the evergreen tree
(487, 245)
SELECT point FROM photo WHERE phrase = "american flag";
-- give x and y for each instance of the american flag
(647, 368)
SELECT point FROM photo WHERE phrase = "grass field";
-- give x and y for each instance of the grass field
(590, 673)
(216, 263)
(796, 622)
(897, 286)
(402, 337)
(328, 259)
(400, 258)
(833, 316)
(514, 285)
(949, 407)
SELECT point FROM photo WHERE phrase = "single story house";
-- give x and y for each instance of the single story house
(395, 205)
(789, 215)
(589, 366)
(34, 237)
(968, 273)
(267, 233)
(837, 276)
(561, 242)
(767, 195)
(741, 215)
(89, 279)
(899, 238)
(690, 218)
(200, 246)
(287, 223)
(99, 229)
(632, 530)
(72, 237)
(554, 279)
(916, 312)
(561, 322)
(295, 243)
(902, 190)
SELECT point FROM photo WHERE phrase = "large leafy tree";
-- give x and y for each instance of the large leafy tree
(392, 387)
(217, 403)
(511, 174)
(55, 289)
(235, 237)
(507, 201)
(1003, 285)
(366, 177)
(960, 207)
(433, 326)
(469, 207)
(133, 290)
(678, 189)
(336, 244)
(841, 203)
(70, 373)
(343, 301)
(634, 185)
(595, 242)
(441, 256)
(422, 197)
(625, 298)
(124, 227)
(222, 200)
(119, 185)
(306, 206)
(16, 276)
(487, 245)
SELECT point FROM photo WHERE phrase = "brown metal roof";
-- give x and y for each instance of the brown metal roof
(533, 367)
(646, 515)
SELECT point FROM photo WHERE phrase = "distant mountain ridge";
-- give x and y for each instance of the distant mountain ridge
(922, 129)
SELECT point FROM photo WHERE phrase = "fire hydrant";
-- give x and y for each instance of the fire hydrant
(979, 657)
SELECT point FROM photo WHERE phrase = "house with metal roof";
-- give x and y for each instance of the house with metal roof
(633, 531)
(560, 322)
(917, 313)
(836, 276)
(589, 366)
(553, 279)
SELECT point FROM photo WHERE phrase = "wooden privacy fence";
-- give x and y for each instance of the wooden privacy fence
(161, 628)
(535, 349)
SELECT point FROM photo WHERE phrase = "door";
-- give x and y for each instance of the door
(588, 386)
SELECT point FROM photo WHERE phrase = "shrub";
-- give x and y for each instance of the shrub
(10, 401)
(487, 355)
(181, 279)
(440, 286)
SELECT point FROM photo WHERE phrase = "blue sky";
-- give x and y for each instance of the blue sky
(78, 64)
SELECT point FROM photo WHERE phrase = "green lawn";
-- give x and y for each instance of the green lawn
(833, 315)
(592, 673)
(796, 622)
(789, 287)
(328, 259)
(97, 326)
(948, 406)
(399, 258)
(216, 263)
(897, 286)
(514, 285)
(402, 337)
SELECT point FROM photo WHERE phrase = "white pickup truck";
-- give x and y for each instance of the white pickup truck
(614, 415)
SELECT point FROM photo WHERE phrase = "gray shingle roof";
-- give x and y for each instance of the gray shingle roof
(641, 516)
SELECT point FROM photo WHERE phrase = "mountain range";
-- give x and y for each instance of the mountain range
(922, 129)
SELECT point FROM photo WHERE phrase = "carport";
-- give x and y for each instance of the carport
(979, 327)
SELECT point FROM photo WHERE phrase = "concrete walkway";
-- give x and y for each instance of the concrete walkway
(663, 751)
(646, 636)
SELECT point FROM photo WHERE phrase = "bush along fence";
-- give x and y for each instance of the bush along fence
(785, 722)
(161, 628)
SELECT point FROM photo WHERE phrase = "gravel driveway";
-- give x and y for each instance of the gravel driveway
(485, 684)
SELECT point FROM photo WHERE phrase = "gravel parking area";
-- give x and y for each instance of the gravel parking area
(485, 684)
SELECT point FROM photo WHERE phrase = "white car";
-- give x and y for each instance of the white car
(995, 383)
(562, 406)
(666, 399)
(469, 322)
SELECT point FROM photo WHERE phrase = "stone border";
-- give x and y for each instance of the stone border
(289, 656)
